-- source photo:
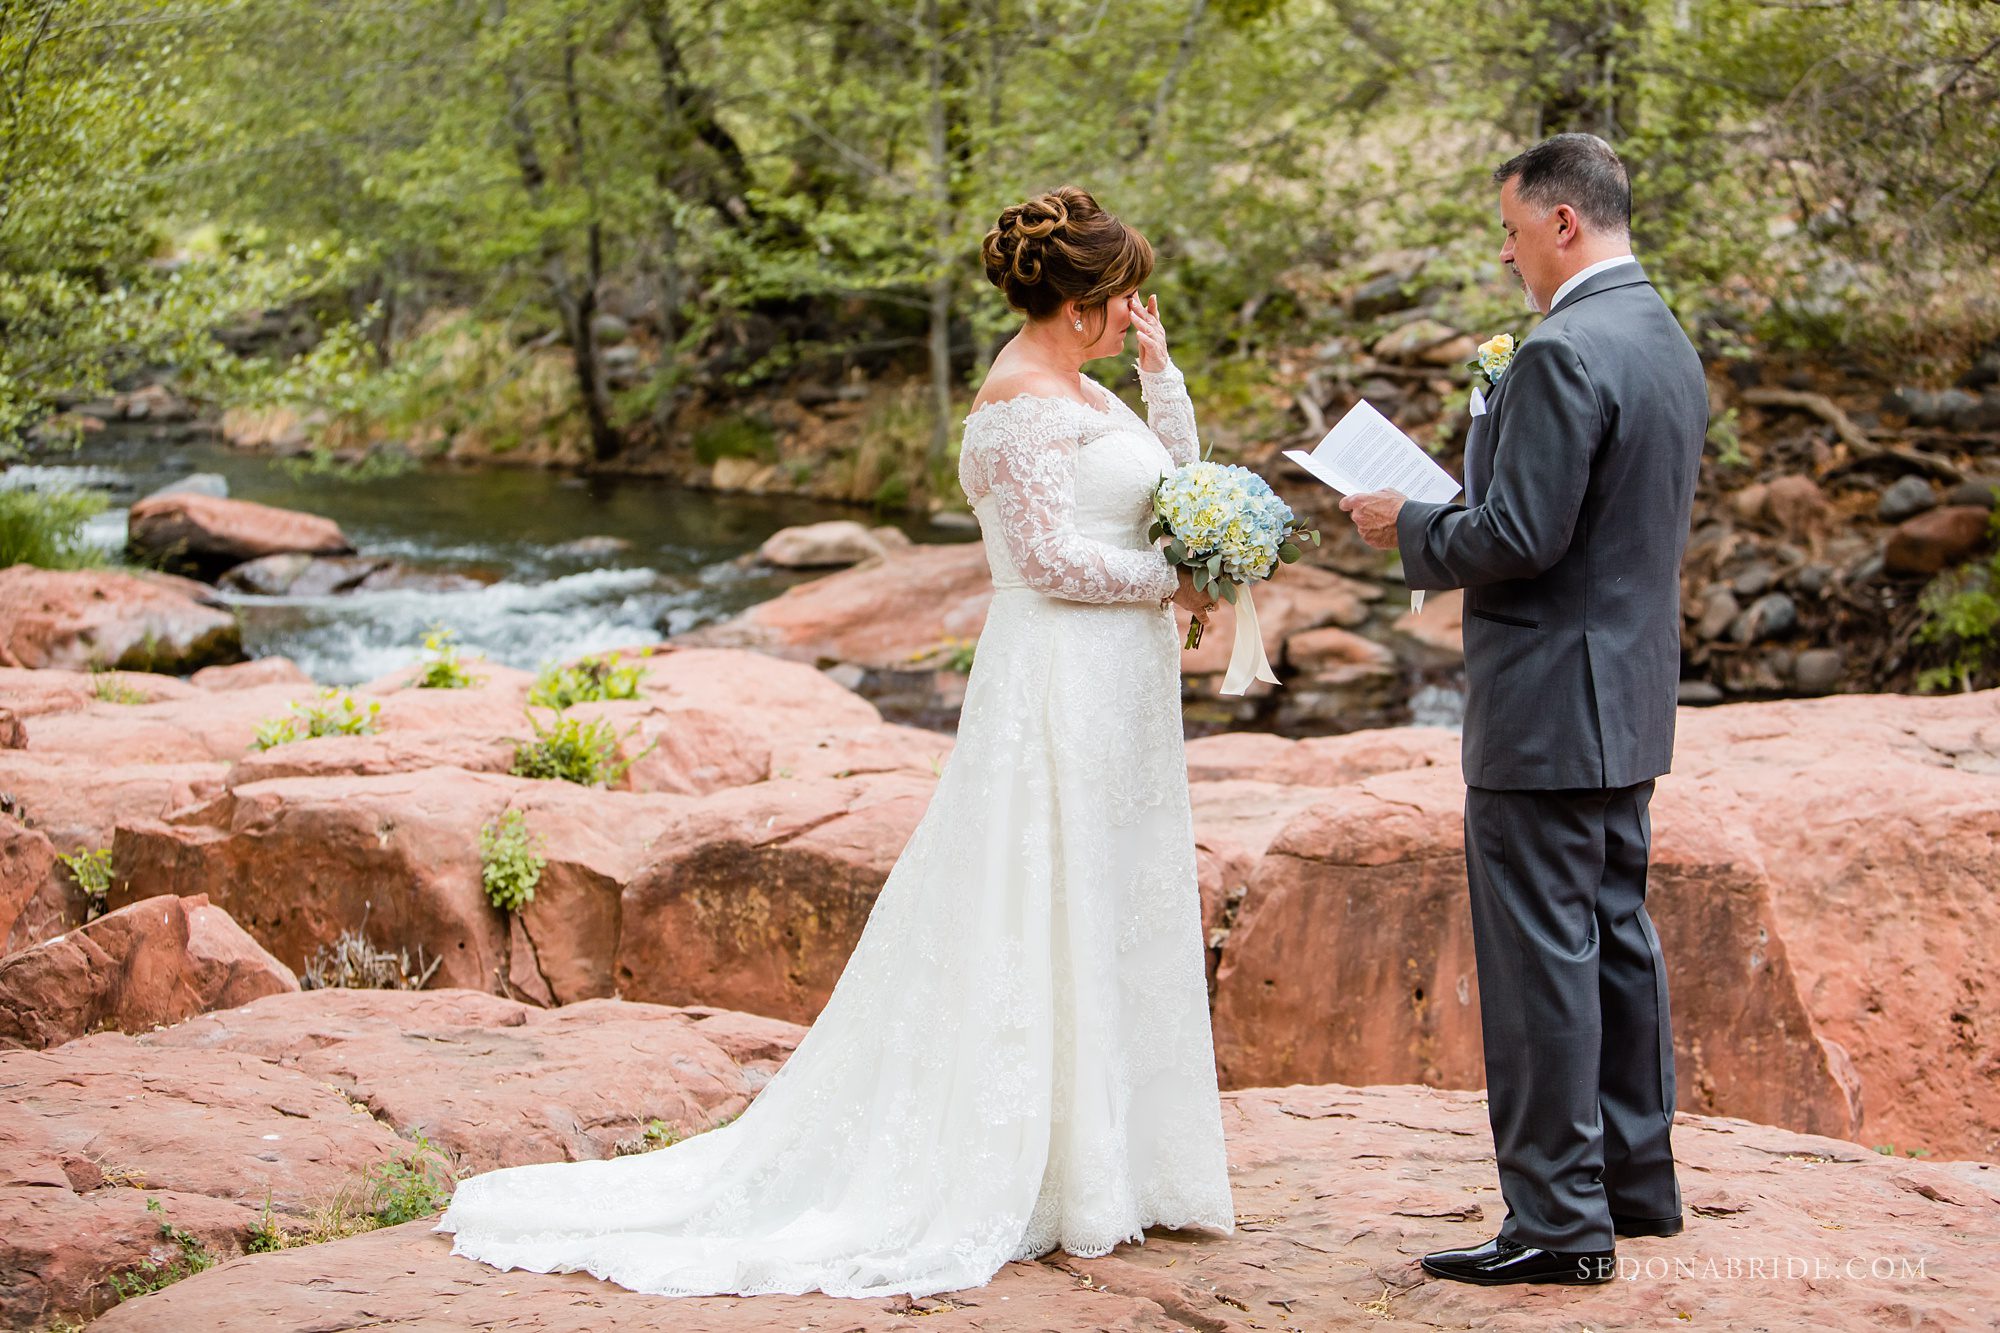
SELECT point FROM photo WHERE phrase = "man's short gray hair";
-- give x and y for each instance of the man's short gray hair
(1580, 170)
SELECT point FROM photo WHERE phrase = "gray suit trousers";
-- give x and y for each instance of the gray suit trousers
(1573, 1007)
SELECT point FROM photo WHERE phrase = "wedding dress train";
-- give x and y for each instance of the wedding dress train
(1017, 1056)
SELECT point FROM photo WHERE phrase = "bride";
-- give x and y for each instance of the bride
(1017, 1056)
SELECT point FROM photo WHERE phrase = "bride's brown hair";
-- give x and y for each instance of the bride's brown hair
(1059, 247)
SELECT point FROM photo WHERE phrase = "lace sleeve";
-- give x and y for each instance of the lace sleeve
(1032, 478)
(1170, 412)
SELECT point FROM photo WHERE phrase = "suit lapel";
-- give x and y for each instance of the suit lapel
(1483, 437)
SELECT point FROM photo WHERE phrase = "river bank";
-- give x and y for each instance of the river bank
(527, 565)
(1833, 498)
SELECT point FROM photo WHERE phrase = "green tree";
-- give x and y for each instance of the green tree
(93, 100)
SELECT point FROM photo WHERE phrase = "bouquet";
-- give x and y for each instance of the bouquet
(1229, 528)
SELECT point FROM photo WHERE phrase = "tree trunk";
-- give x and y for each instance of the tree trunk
(1588, 52)
(940, 283)
(690, 118)
(605, 442)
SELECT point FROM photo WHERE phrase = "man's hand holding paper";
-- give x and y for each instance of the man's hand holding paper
(1376, 467)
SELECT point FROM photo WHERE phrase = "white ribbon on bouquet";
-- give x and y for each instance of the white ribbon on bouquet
(1247, 661)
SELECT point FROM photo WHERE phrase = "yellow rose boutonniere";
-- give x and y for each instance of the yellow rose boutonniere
(1493, 357)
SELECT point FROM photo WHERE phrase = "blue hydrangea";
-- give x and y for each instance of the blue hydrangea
(1215, 508)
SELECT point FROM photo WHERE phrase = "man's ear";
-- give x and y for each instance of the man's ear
(1566, 224)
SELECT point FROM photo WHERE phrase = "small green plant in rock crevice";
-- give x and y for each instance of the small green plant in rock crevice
(570, 750)
(266, 1236)
(334, 713)
(416, 1184)
(91, 869)
(155, 1274)
(106, 687)
(589, 680)
(659, 1134)
(442, 669)
(510, 861)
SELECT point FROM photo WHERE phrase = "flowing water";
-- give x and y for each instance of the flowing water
(676, 563)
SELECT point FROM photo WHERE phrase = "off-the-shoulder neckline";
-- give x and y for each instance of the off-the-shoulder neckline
(1106, 412)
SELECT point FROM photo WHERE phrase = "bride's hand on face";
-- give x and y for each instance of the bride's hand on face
(1151, 333)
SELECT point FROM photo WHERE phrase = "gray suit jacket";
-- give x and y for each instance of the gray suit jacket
(1579, 481)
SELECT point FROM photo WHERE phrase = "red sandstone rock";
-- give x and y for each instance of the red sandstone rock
(1439, 627)
(1803, 857)
(884, 616)
(61, 1244)
(758, 895)
(250, 675)
(1338, 1191)
(205, 726)
(497, 1082)
(1234, 822)
(878, 748)
(1933, 541)
(203, 533)
(53, 690)
(158, 961)
(78, 803)
(32, 900)
(1799, 508)
(823, 545)
(31, 693)
(1878, 820)
(297, 861)
(296, 1097)
(1319, 649)
(91, 1129)
(372, 756)
(1320, 761)
(1352, 958)
(1300, 599)
(79, 619)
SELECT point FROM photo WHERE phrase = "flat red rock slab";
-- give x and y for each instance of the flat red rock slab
(1338, 1192)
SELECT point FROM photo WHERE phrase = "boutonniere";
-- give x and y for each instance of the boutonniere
(1493, 358)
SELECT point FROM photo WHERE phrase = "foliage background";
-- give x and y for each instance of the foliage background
(775, 192)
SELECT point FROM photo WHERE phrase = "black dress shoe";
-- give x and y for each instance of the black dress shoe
(1646, 1226)
(1500, 1262)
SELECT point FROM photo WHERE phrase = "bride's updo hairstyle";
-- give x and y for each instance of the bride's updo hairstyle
(1059, 247)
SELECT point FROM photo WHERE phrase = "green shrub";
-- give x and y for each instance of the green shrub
(91, 869)
(46, 528)
(442, 669)
(659, 1134)
(1961, 612)
(569, 750)
(106, 687)
(154, 1274)
(266, 1236)
(417, 1184)
(510, 861)
(334, 713)
(590, 680)
(893, 493)
(736, 436)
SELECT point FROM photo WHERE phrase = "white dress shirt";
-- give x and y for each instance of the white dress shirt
(1591, 272)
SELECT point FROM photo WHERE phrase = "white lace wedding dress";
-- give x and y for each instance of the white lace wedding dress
(1017, 1056)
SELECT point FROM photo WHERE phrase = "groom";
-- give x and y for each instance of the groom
(1579, 478)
